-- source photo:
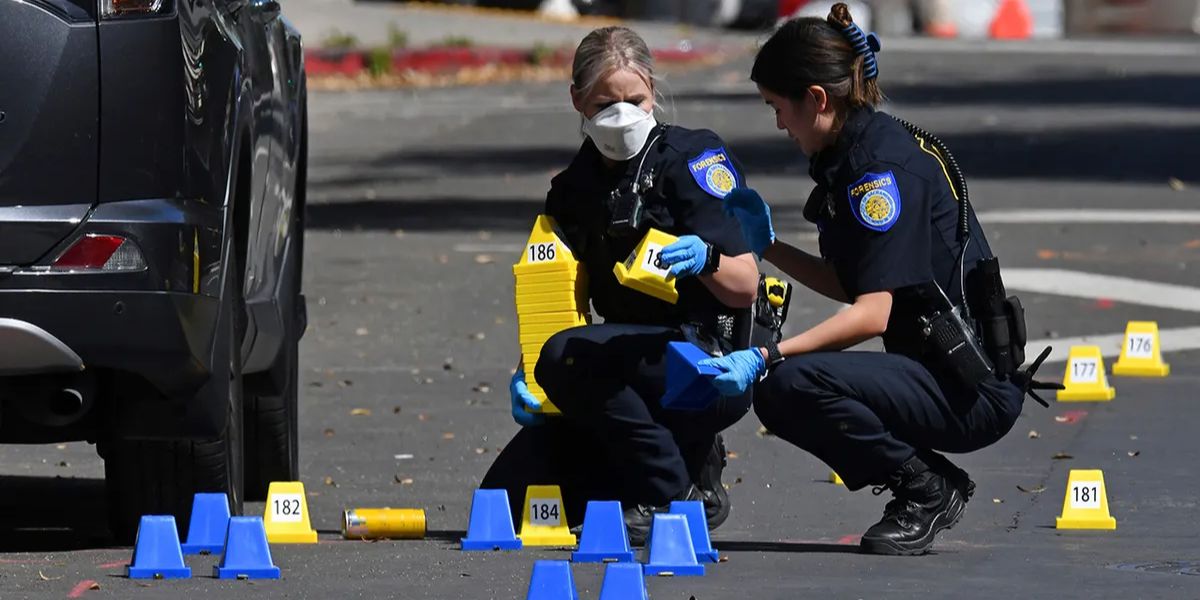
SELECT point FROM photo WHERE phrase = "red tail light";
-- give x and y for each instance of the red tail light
(108, 253)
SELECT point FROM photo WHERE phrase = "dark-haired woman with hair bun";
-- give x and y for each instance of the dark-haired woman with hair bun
(900, 244)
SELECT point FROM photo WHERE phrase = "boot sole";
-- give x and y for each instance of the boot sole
(944, 521)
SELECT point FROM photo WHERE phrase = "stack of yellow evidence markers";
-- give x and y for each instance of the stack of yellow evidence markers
(551, 296)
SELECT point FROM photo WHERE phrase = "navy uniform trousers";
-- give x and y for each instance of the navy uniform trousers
(865, 413)
(613, 441)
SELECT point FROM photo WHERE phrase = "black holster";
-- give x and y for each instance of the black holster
(1000, 318)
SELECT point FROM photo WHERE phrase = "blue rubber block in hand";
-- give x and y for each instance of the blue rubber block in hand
(552, 580)
(604, 536)
(689, 386)
(623, 581)
(247, 555)
(156, 553)
(491, 525)
(671, 550)
(698, 526)
(210, 519)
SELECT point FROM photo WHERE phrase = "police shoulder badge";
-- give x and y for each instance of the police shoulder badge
(875, 200)
(714, 172)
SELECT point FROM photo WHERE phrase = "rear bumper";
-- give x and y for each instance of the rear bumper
(165, 338)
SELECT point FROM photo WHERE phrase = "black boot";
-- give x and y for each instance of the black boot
(716, 497)
(639, 517)
(925, 502)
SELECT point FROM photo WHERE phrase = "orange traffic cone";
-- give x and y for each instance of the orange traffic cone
(1012, 21)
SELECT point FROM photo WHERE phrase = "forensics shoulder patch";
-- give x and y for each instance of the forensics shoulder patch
(714, 172)
(875, 200)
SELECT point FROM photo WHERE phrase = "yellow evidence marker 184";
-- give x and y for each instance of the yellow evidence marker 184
(543, 520)
(551, 295)
(644, 271)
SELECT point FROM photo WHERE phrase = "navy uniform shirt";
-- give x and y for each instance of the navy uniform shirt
(888, 218)
(692, 171)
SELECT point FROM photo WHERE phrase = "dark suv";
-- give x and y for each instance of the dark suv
(152, 169)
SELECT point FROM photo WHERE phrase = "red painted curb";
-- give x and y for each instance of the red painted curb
(441, 60)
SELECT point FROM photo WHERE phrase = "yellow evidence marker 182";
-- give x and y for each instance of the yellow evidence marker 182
(551, 295)
(286, 515)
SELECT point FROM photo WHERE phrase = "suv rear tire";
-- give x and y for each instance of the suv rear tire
(272, 421)
(161, 477)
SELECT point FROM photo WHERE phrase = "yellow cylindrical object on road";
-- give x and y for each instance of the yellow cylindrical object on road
(383, 523)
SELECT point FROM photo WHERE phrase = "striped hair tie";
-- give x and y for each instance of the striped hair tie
(865, 45)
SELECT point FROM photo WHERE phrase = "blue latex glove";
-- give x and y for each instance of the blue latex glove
(754, 215)
(521, 400)
(686, 256)
(739, 371)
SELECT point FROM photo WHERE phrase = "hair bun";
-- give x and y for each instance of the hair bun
(839, 15)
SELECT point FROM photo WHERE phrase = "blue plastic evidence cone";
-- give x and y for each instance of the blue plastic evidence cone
(247, 555)
(210, 519)
(689, 386)
(623, 581)
(604, 536)
(156, 553)
(698, 526)
(671, 551)
(552, 580)
(491, 525)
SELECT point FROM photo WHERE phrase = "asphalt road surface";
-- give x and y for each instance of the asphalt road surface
(419, 204)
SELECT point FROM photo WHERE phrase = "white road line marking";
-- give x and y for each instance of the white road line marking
(1172, 340)
(1077, 284)
(1166, 217)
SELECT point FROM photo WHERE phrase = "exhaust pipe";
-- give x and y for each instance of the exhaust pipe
(67, 402)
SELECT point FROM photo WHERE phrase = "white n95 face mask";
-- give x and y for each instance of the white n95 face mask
(620, 130)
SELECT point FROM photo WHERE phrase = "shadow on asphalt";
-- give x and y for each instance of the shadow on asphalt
(50, 514)
(458, 214)
(1157, 89)
(787, 547)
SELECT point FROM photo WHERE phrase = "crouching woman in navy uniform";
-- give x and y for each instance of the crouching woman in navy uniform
(897, 244)
(614, 441)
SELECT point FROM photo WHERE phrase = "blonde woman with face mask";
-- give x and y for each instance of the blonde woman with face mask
(614, 441)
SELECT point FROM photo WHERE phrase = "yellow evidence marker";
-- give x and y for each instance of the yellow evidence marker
(1141, 355)
(1085, 380)
(551, 295)
(1086, 503)
(543, 521)
(644, 271)
(286, 516)
(835, 479)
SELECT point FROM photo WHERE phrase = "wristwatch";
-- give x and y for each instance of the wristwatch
(774, 357)
(712, 260)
